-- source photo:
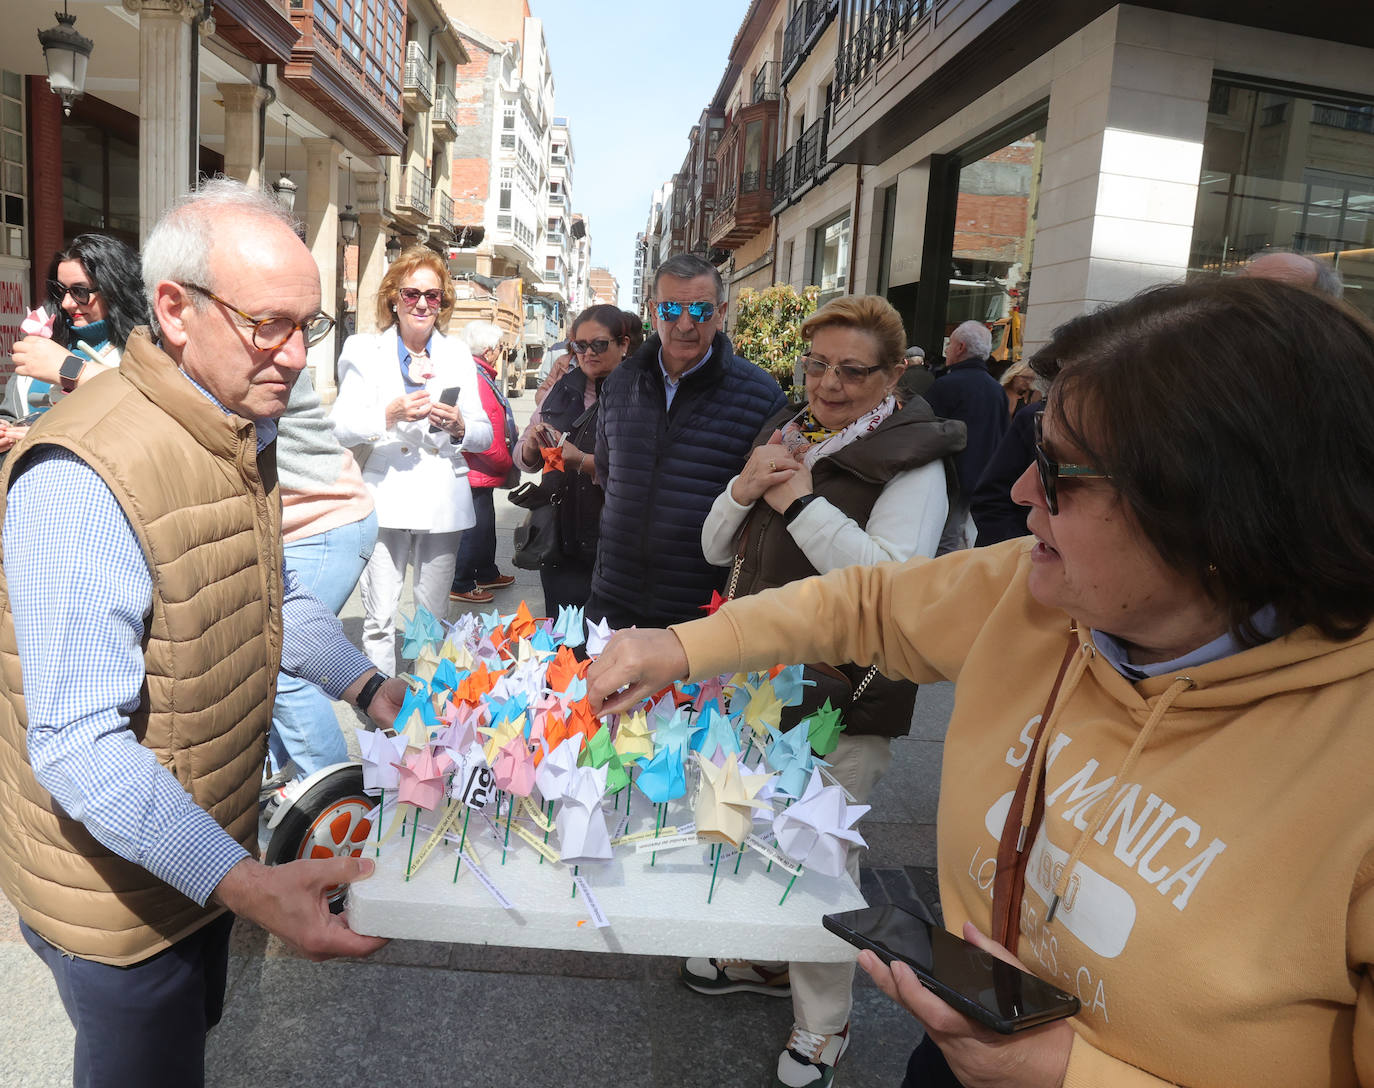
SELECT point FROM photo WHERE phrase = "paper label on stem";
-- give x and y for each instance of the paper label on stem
(667, 842)
(491, 826)
(481, 875)
(619, 832)
(649, 833)
(445, 824)
(683, 829)
(774, 855)
(534, 813)
(535, 841)
(599, 918)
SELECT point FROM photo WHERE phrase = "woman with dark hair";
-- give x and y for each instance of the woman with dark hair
(409, 394)
(1155, 788)
(599, 339)
(95, 283)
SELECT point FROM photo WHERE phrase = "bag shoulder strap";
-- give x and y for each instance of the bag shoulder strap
(1009, 882)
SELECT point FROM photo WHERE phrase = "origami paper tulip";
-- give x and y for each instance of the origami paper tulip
(677, 732)
(381, 752)
(598, 634)
(581, 822)
(522, 626)
(513, 769)
(499, 736)
(553, 458)
(816, 830)
(632, 737)
(599, 749)
(764, 709)
(421, 779)
(555, 769)
(720, 735)
(561, 670)
(824, 728)
(445, 676)
(711, 606)
(38, 323)
(790, 756)
(568, 627)
(727, 800)
(663, 778)
(790, 685)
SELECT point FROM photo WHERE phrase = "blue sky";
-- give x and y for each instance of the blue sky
(632, 77)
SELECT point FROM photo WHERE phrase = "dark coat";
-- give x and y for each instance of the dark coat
(851, 479)
(967, 392)
(661, 472)
(578, 498)
(996, 515)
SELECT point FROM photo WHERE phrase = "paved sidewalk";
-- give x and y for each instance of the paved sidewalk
(425, 1014)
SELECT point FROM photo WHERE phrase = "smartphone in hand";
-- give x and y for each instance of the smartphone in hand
(978, 984)
(450, 397)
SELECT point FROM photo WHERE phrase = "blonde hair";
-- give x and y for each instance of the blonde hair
(867, 313)
(402, 268)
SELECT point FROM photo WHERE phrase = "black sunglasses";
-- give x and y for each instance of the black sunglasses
(57, 291)
(595, 347)
(1051, 470)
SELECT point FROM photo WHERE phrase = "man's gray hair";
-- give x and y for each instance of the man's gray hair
(915, 352)
(480, 336)
(976, 337)
(178, 247)
(685, 266)
(1326, 279)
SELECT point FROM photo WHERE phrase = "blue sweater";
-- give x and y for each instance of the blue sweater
(967, 392)
(662, 471)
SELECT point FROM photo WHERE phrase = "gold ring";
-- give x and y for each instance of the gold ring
(772, 466)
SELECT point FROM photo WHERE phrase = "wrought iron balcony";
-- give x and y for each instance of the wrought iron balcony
(765, 88)
(413, 194)
(444, 114)
(801, 164)
(418, 85)
(873, 38)
(804, 29)
(443, 211)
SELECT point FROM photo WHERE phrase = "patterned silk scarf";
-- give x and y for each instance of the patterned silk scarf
(802, 434)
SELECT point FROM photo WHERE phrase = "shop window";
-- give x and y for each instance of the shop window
(1284, 171)
(13, 191)
(830, 269)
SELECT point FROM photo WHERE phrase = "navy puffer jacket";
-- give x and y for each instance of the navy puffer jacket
(661, 472)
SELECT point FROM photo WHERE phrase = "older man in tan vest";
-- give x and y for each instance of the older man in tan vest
(143, 617)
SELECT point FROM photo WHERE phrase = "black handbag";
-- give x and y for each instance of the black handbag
(536, 538)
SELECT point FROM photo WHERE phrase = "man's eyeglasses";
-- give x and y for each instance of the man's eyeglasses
(593, 347)
(700, 311)
(270, 333)
(1051, 470)
(411, 296)
(848, 373)
(57, 291)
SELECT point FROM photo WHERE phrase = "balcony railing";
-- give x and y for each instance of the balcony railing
(443, 210)
(765, 87)
(1354, 118)
(801, 163)
(418, 86)
(554, 237)
(413, 192)
(803, 30)
(444, 114)
(557, 198)
(873, 38)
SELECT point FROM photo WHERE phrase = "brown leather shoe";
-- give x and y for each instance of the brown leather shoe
(501, 581)
(472, 596)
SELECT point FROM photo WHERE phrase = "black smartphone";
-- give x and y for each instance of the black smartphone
(979, 985)
(450, 397)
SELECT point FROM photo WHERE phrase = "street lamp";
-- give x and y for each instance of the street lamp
(66, 53)
(348, 218)
(393, 248)
(285, 188)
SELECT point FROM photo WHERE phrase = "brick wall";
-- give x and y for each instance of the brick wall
(45, 178)
(470, 162)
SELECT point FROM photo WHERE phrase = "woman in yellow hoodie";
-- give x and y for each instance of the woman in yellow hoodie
(1155, 790)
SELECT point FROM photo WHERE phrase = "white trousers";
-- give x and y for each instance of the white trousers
(434, 556)
(821, 992)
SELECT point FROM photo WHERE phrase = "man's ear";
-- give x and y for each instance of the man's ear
(171, 302)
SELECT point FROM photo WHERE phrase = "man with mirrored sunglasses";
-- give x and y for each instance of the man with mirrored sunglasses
(677, 421)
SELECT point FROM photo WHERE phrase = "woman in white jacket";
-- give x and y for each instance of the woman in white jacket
(411, 394)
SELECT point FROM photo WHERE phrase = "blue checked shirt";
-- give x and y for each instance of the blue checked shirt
(80, 590)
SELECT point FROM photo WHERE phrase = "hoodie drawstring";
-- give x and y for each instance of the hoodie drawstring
(1099, 809)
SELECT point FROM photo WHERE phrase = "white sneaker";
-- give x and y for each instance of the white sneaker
(726, 976)
(810, 1059)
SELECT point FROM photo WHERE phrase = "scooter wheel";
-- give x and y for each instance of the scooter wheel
(329, 820)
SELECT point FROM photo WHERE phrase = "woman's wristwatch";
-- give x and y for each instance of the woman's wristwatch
(797, 506)
(69, 373)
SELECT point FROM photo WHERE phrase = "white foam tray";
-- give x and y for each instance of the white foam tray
(658, 909)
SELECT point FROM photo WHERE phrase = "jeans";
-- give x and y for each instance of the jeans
(477, 550)
(304, 728)
(144, 1024)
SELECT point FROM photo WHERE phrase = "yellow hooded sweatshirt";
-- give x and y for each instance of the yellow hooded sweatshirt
(1211, 838)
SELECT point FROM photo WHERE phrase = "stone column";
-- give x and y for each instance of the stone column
(242, 132)
(164, 103)
(371, 267)
(321, 217)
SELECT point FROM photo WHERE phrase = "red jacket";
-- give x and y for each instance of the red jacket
(489, 468)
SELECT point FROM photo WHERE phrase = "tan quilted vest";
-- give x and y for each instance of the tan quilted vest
(207, 514)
